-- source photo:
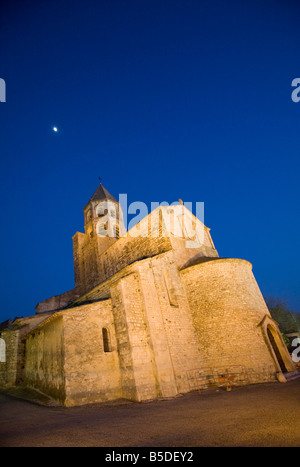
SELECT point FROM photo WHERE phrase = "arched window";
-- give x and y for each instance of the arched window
(103, 229)
(106, 208)
(106, 340)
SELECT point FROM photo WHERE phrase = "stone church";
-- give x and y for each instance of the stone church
(151, 316)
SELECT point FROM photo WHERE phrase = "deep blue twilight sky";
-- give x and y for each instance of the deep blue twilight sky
(163, 99)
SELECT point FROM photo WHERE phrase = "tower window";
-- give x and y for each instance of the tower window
(106, 340)
(102, 213)
(102, 229)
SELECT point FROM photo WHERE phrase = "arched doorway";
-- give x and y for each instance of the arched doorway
(272, 338)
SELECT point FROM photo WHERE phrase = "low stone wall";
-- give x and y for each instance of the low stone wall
(44, 368)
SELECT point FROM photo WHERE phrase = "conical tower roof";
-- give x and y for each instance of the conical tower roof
(101, 193)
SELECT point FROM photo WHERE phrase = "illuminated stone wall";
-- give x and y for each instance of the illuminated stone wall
(91, 373)
(12, 370)
(149, 317)
(227, 308)
(44, 369)
(171, 318)
(96, 258)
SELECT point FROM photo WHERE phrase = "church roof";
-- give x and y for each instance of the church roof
(102, 193)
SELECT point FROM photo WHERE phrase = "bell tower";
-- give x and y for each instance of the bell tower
(103, 225)
(103, 215)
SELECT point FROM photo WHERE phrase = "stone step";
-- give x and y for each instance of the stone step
(290, 375)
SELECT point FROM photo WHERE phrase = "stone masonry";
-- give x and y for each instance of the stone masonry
(150, 316)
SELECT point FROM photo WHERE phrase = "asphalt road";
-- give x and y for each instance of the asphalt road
(258, 415)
